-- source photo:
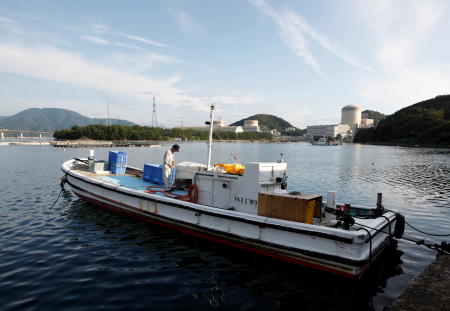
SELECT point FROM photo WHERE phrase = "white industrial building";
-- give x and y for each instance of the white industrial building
(351, 115)
(331, 130)
(366, 123)
(290, 129)
(251, 126)
(351, 120)
(235, 129)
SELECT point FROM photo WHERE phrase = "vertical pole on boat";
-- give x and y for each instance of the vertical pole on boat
(210, 135)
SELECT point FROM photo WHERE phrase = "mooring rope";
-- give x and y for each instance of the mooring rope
(442, 248)
(62, 190)
(427, 233)
(421, 231)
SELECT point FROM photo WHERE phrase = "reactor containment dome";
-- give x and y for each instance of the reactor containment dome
(351, 115)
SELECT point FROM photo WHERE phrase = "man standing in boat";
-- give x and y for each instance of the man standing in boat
(168, 165)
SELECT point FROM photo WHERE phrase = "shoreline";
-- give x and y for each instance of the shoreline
(405, 145)
(143, 143)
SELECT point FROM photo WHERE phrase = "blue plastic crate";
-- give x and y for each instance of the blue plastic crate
(117, 169)
(117, 157)
(153, 173)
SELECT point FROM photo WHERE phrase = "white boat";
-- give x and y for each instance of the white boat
(250, 211)
(320, 142)
(323, 142)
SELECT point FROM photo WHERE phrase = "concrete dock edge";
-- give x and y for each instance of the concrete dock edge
(430, 291)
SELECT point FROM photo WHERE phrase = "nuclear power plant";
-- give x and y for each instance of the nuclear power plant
(351, 121)
(351, 115)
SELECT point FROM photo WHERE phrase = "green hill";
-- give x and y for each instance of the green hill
(425, 123)
(268, 120)
(50, 119)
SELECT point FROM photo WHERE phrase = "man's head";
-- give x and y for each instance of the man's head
(175, 148)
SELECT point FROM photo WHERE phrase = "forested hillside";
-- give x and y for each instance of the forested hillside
(425, 123)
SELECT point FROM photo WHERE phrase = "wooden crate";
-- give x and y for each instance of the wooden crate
(301, 208)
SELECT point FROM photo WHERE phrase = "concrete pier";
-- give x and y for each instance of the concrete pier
(102, 143)
(430, 291)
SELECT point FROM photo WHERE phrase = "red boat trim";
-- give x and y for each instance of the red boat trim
(157, 219)
(217, 239)
(345, 261)
(143, 196)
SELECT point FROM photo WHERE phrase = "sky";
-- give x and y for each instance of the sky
(300, 60)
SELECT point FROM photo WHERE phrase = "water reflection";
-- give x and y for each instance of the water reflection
(218, 275)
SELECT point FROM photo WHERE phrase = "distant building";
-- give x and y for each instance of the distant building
(218, 123)
(235, 129)
(274, 132)
(332, 130)
(351, 115)
(290, 129)
(251, 126)
(351, 120)
(366, 122)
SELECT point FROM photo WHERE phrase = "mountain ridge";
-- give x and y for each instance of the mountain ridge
(51, 119)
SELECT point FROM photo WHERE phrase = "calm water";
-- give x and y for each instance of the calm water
(78, 257)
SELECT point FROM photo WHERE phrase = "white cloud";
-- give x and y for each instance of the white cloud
(10, 25)
(292, 36)
(50, 63)
(400, 28)
(294, 29)
(188, 25)
(154, 56)
(405, 76)
(56, 65)
(136, 62)
(96, 40)
(307, 29)
(100, 28)
(144, 40)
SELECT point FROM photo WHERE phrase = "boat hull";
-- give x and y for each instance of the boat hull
(338, 254)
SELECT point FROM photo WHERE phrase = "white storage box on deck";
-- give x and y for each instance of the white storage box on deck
(185, 170)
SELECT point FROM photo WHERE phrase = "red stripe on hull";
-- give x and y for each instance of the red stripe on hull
(217, 239)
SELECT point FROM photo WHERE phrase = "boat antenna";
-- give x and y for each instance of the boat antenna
(211, 115)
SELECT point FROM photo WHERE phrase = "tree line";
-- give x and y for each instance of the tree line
(426, 123)
(136, 132)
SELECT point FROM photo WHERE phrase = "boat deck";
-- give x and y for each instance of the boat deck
(131, 182)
